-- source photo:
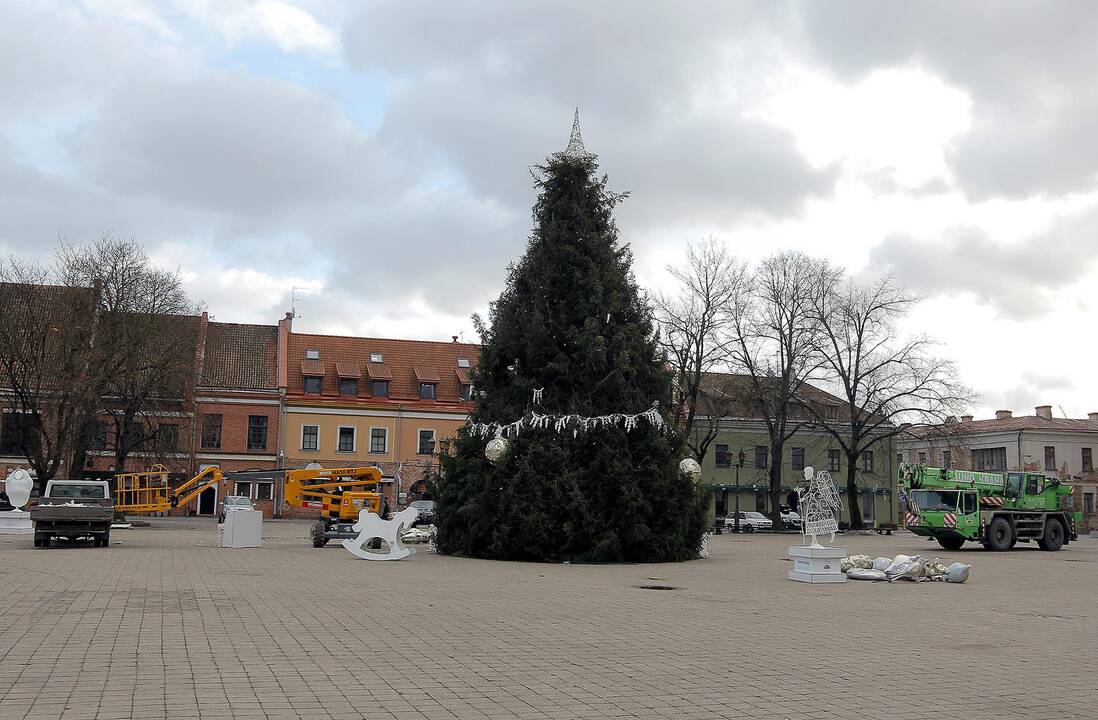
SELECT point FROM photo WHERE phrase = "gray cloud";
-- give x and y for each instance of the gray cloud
(1017, 279)
(1028, 67)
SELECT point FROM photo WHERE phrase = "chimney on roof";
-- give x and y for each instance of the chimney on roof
(1092, 416)
(966, 418)
(1044, 411)
(455, 337)
(1003, 414)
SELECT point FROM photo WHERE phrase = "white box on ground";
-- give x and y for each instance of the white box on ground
(817, 564)
(16, 522)
(241, 529)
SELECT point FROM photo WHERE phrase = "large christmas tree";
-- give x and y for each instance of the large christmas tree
(570, 336)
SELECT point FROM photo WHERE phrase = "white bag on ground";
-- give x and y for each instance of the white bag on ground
(882, 563)
(865, 574)
(855, 561)
(958, 573)
(906, 567)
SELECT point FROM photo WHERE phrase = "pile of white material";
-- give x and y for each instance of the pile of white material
(903, 567)
(415, 535)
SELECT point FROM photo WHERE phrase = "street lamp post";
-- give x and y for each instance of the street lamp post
(739, 464)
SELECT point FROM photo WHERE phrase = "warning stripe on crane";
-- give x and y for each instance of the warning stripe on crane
(949, 519)
(992, 500)
(911, 519)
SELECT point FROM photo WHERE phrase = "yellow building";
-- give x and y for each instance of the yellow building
(352, 401)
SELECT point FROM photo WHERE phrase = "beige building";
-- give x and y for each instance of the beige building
(352, 401)
(1062, 448)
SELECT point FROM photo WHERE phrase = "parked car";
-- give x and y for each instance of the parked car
(234, 502)
(426, 512)
(749, 521)
(791, 520)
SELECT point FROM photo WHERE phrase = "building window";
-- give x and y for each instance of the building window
(1088, 503)
(257, 432)
(833, 460)
(310, 437)
(211, 432)
(346, 439)
(312, 354)
(379, 440)
(376, 358)
(17, 433)
(867, 460)
(466, 391)
(993, 459)
(947, 459)
(243, 488)
(922, 458)
(426, 391)
(762, 456)
(100, 435)
(348, 386)
(797, 458)
(379, 388)
(1050, 457)
(1088, 460)
(899, 458)
(832, 412)
(426, 442)
(264, 490)
(312, 384)
(167, 438)
(722, 459)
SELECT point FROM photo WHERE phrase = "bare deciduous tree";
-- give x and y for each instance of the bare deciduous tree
(776, 340)
(144, 354)
(886, 381)
(46, 335)
(695, 324)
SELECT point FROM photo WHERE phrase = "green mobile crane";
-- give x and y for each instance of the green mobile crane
(995, 509)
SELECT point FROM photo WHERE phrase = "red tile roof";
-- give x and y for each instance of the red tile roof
(407, 363)
(312, 367)
(240, 357)
(348, 370)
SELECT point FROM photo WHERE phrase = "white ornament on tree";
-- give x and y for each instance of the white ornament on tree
(690, 468)
(495, 449)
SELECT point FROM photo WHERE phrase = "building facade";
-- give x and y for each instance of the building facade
(353, 401)
(811, 446)
(1061, 448)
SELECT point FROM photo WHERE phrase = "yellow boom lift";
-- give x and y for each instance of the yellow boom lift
(339, 493)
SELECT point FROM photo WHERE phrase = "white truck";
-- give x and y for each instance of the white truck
(74, 509)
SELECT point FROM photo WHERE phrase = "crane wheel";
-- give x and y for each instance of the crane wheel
(1000, 536)
(951, 543)
(1053, 539)
(317, 532)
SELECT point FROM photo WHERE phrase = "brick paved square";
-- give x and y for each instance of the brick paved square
(165, 625)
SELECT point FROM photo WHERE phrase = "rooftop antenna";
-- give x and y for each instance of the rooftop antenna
(1062, 411)
(293, 300)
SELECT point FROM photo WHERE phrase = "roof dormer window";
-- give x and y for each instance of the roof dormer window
(376, 358)
(312, 354)
(463, 362)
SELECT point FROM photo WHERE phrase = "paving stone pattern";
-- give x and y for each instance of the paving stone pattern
(163, 624)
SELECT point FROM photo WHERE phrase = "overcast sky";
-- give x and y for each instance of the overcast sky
(376, 155)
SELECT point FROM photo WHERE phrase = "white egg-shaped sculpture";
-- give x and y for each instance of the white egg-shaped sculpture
(690, 468)
(18, 487)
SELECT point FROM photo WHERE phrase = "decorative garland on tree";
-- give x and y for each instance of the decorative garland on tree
(561, 424)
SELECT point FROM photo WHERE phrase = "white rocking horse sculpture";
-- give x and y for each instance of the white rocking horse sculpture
(819, 504)
(371, 527)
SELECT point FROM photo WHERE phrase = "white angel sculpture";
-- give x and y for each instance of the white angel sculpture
(819, 506)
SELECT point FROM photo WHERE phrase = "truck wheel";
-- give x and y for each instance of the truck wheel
(38, 540)
(317, 532)
(951, 543)
(1000, 536)
(1053, 538)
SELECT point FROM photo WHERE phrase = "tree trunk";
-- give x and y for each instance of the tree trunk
(852, 493)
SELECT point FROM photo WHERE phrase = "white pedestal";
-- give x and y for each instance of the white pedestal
(241, 529)
(16, 522)
(817, 565)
